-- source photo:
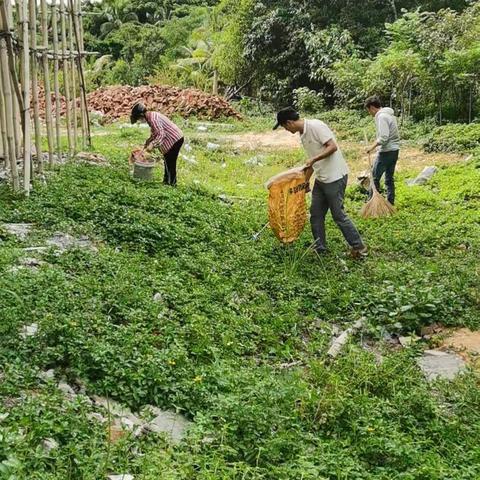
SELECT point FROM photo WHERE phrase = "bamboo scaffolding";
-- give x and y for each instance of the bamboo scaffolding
(46, 83)
(34, 72)
(66, 81)
(25, 68)
(22, 60)
(56, 83)
(72, 68)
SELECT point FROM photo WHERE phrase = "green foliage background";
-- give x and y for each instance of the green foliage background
(422, 57)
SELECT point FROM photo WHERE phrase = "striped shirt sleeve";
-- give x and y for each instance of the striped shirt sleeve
(164, 133)
(157, 131)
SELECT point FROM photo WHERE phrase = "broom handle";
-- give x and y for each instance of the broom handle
(372, 181)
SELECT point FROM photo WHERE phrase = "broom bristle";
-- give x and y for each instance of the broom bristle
(377, 206)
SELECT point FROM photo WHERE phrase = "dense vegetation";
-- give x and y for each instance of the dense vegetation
(422, 56)
(238, 338)
(181, 306)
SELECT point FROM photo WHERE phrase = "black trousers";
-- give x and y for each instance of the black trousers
(170, 175)
(385, 165)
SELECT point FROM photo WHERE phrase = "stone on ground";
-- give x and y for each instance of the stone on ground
(171, 423)
(436, 364)
(19, 230)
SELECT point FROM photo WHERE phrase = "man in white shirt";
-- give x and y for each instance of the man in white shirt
(331, 174)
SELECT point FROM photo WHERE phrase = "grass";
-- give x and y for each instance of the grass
(233, 314)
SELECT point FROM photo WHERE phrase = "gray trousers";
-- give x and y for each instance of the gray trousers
(327, 196)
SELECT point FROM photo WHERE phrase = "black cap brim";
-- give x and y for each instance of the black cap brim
(276, 126)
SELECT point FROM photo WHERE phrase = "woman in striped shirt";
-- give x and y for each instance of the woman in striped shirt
(165, 136)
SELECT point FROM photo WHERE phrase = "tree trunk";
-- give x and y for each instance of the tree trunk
(215, 82)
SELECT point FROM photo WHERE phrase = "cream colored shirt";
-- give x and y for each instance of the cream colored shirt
(315, 135)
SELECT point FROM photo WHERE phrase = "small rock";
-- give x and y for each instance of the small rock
(117, 409)
(190, 159)
(20, 230)
(424, 177)
(254, 161)
(437, 364)
(173, 424)
(122, 476)
(202, 128)
(64, 241)
(335, 330)
(29, 330)
(97, 417)
(157, 297)
(47, 375)
(49, 444)
(224, 198)
(407, 341)
(187, 147)
(31, 262)
(212, 146)
(67, 390)
(431, 329)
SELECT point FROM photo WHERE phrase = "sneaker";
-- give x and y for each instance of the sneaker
(359, 253)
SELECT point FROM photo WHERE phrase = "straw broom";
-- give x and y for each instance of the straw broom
(378, 205)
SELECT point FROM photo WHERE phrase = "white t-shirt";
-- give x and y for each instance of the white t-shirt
(315, 134)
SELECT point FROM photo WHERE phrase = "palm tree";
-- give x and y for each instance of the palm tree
(115, 14)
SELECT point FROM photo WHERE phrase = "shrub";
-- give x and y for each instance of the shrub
(308, 101)
(454, 138)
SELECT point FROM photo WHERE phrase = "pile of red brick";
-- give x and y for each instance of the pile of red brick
(116, 102)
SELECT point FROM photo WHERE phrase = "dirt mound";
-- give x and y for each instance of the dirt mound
(116, 102)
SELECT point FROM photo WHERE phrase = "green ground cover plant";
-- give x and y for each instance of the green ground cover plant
(237, 338)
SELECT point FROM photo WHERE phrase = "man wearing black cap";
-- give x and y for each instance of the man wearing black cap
(331, 175)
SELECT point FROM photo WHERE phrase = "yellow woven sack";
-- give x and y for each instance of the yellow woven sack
(286, 204)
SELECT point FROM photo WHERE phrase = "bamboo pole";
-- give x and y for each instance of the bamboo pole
(6, 13)
(56, 85)
(17, 104)
(46, 80)
(3, 123)
(7, 92)
(77, 25)
(36, 111)
(72, 68)
(25, 67)
(74, 8)
(66, 82)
